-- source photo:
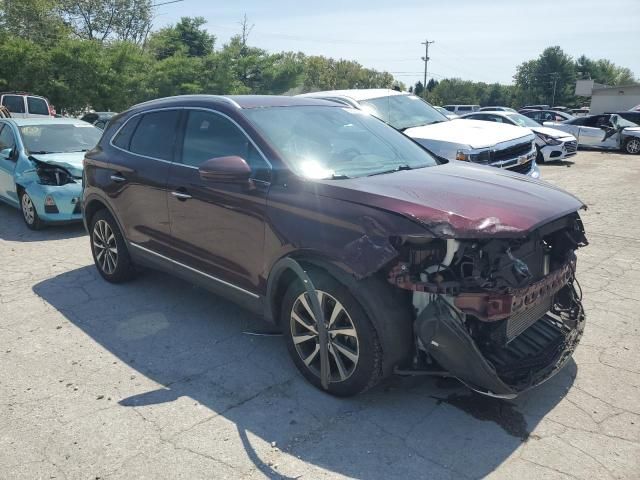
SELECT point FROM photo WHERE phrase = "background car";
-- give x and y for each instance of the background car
(41, 167)
(535, 107)
(502, 146)
(461, 109)
(446, 113)
(551, 144)
(364, 249)
(542, 116)
(496, 109)
(98, 119)
(26, 105)
(608, 131)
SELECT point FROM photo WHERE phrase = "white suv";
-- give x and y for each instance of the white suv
(503, 146)
(25, 105)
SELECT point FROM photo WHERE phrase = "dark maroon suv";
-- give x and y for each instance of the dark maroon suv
(371, 255)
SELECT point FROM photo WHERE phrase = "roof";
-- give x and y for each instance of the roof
(237, 101)
(23, 122)
(604, 88)
(355, 94)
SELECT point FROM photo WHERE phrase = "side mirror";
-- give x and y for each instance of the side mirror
(231, 169)
(7, 153)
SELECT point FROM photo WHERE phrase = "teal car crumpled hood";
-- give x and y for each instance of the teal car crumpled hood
(69, 161)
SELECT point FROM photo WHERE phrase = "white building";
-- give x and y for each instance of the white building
(608, 99)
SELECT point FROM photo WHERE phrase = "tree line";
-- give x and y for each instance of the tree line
(105, 54)
(549, 79)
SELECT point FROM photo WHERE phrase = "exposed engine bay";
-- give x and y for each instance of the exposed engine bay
(501, 315)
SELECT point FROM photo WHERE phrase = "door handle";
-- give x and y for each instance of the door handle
(116, 177)
(181, 195)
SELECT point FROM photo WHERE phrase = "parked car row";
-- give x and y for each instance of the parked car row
(373, 231)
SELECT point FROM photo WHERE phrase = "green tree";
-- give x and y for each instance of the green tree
(418, 89)
(101, 20)
(548, 79)
(34, 20)
(187, 37)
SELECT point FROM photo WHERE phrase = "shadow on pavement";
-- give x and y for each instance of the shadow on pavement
(13, 228)
(192, 343)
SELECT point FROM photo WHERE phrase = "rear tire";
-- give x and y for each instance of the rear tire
(29, 213)
(632, 146)
(109, 249)
(355, 352)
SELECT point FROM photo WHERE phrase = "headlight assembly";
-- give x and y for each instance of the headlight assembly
(548, 139)
(56, 176)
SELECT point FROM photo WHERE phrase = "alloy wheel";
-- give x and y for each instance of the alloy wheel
(105, 247)
(28, 209)
(343, 345)
(633, 146)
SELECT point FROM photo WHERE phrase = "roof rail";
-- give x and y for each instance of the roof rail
(217, 97)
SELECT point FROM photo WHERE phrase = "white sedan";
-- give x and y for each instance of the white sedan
(551, 143)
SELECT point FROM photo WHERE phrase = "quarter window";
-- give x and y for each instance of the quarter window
(156, 135)
(14, 103)
(123, 138)
(209, 135)
(37, 106)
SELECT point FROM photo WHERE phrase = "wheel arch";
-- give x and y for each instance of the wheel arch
(388, 308)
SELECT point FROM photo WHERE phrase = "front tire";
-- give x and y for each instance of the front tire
(632, 146)
(539, 156)
(354, 349)
(109, 249)
(29, 213)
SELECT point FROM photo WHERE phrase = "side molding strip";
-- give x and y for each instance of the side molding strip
(195, 270)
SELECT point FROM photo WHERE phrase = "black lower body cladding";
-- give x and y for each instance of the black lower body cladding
(500, 370)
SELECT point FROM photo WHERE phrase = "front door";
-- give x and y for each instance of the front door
(7, 165)
(217, 228)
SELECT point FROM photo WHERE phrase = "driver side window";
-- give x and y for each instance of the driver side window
(7, 140)
(209, 135)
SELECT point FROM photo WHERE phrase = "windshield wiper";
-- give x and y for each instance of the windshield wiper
(393, 170)
(41, 152)
(339, 176)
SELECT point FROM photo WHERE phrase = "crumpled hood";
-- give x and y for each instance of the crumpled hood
(459, 200)
(475, 133)
(69, 161)
(552, 132)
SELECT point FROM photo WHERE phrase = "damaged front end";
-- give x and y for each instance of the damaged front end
(501, 315)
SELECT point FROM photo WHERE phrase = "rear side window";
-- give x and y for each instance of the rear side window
(123, 137)
(156, 135)
(464, 109)
(14, 103)
(37, 106)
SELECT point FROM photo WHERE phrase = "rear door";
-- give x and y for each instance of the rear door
(217, 228)
(138, 177)
(7, 165)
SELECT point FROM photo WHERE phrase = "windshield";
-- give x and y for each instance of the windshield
(403, 111)
(336, 142)
(59, 138)
(523, 121)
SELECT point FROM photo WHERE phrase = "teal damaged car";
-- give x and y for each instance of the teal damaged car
(41, 167)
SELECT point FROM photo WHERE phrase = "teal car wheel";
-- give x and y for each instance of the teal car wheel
(29, 213)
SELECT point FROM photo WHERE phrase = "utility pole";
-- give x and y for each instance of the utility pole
(425, 59)
(555, 82)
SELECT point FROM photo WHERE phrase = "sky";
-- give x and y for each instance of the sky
(474, 39)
